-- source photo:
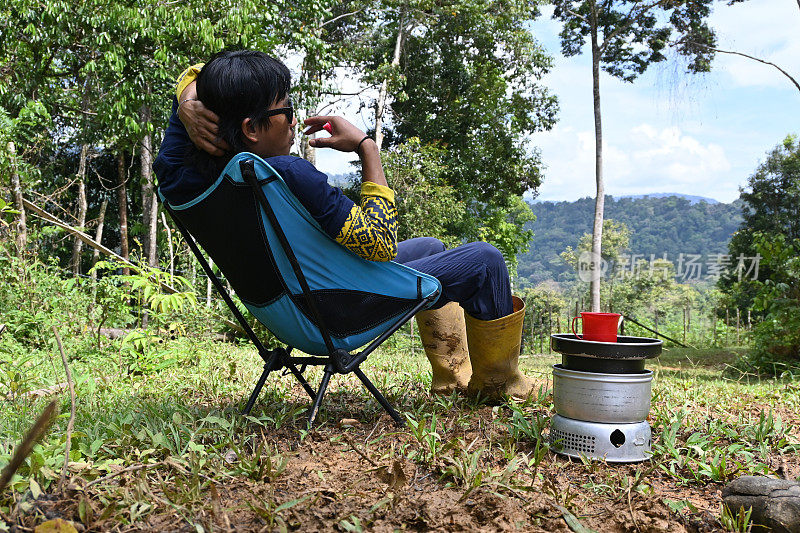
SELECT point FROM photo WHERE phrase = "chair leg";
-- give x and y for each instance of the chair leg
(399, 420)
(299, 375)
(257, 390)
(323, 386)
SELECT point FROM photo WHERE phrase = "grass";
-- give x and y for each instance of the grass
(166, 449)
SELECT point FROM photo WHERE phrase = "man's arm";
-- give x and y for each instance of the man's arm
(199, 121)
(370, 229)
(169, 163)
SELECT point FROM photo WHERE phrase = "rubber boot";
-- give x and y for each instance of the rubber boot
(494, 347)
(444, 337)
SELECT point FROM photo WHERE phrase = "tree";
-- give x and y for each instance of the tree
(426, 206)
(463, 75)
(769, 207)
(776, 338)
(625, 38)
(616, 239)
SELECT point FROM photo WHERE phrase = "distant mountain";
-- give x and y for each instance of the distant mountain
(671, 225)
(340, 180)
(693, 199)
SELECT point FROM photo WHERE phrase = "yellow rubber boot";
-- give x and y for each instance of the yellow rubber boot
(444, 337)
(494, 347)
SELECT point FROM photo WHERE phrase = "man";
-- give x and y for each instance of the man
(239, 101)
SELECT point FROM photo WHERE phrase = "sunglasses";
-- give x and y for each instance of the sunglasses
(288, 111)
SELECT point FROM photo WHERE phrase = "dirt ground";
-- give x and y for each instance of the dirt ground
(342, 478)
(363, 475)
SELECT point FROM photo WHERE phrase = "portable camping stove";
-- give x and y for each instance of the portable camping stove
(601, 394)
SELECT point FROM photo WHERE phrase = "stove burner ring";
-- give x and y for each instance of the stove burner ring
(624, 348)
(603, 366)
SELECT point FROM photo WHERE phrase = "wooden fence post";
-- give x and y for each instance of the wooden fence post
(689, 319)
(684, 325)
(208, 284)
(549, 326)
(412, 337)
(737, 325)
(541, 334)
(714, 325)
(727, 324)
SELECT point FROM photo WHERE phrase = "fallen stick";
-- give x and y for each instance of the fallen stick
(44, 215)
(124, 470)
(71, 423)
(47, 391)
(358, 451)
(657, 333)
(41, 213)
(24, 448)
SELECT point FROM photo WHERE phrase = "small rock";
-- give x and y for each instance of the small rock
(775, 502)
(230, 457)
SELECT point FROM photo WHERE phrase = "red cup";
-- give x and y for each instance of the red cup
(600, 327)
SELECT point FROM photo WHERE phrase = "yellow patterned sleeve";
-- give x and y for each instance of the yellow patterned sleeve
(187, 77)
(371, 228)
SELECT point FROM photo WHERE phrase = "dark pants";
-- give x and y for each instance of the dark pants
(474, 274)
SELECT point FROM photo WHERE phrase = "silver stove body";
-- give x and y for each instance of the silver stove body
(601, 416)
(614, 443)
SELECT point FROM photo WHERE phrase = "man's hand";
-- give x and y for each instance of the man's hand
(200, 122)
(344, 135)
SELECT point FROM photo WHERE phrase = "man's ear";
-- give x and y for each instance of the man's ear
(249, 130)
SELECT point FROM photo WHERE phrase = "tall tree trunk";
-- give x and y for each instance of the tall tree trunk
(380, 103)
(149, 201)
(83, 206)
(122, 197)
(208, 284)
(310, 73)
(307, 151)
(16, 190)
(98, 235)
(599, 203)
(152, 230)
(171, 250)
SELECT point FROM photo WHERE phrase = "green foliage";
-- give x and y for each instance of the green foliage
(634, 35)
(502, 226)
(34, 298)
(769, 206)
(6, 211)
(738, 521)
(426, 206)
(770, 229)
(477, 97)
(478, 94)
(776, 339)
(671, 225)
(616, 239)
(542, 304)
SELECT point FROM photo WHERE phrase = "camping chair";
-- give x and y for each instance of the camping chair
(312, 293)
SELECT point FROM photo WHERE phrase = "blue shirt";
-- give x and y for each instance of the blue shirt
(180, 182)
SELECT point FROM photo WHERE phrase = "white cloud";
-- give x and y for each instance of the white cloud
(646, 159)
(766, 29)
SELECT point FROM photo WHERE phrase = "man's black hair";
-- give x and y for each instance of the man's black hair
(236, 85)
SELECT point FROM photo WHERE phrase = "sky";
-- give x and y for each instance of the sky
(702, 135)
